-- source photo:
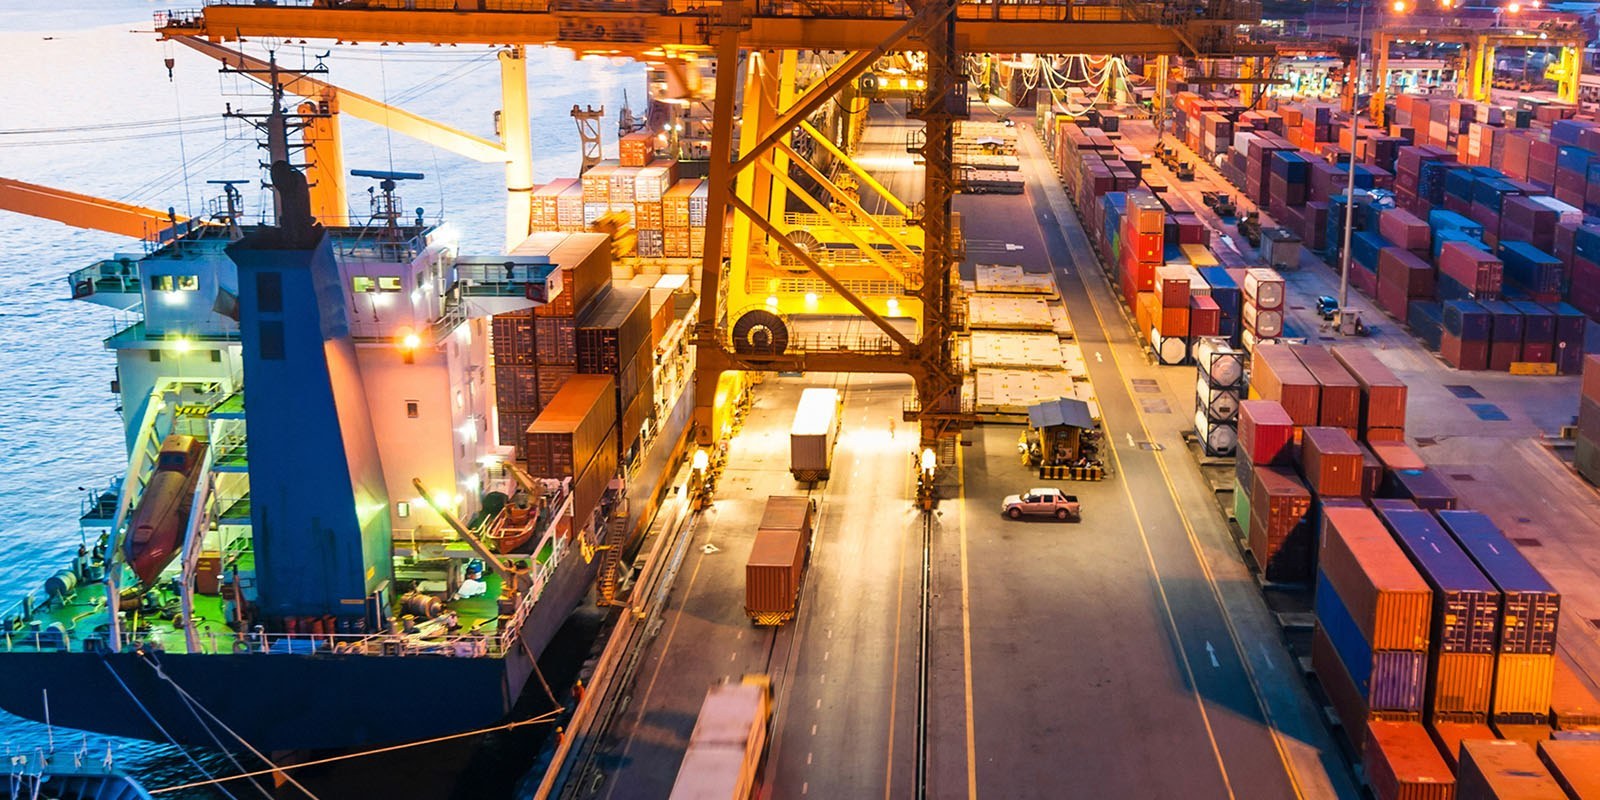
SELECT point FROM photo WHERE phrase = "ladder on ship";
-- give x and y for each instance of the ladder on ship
(611, 553)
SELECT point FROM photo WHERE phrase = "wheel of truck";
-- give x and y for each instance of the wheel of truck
(1062, 514)
(1014, 512)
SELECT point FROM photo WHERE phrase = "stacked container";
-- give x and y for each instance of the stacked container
(1586, 456)
(1402, 763)
(1504, 770)
(1262, 316)
(1370, 645)
(1168, 312)
(1338, 392)
(613, 338)
(1280, 534)
(1277, 374)
(1331, 461)
(1467, 330)
(1529, 612)
(1219, 387)
(1266, 438)
(1466, 614)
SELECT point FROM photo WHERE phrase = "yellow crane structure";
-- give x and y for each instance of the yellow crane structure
(83, 211)
(1478, 52)
(902, 263)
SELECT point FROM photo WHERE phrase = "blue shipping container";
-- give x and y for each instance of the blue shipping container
(1426, 320)
(1468, 320)
(1389, 680)
(1466, 605)
(1531, 268)
(1531, 607)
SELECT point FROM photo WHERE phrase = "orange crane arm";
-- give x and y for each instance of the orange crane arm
(360, 106)
(81, 210)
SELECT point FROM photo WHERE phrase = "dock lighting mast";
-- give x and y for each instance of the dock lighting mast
(1348, 321)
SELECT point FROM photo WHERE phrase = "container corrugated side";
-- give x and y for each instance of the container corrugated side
(772, 572)
(1266, 432)
(564, 437)
(1503, 770)
(1339, 403)
(1280, 536)
(1460, 683)
(1277, 375)
(1572, 704)
(1466, 606)
(1531, 608)
(788, 513)
(1383, 395)
(1403, 764)
(1385, 595)
(1575, 766)
(1389, 680)
(1332, 462)
(1449, 734)
(1522, 683)
(1347, 703)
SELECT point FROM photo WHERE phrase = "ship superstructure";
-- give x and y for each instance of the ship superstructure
(352, 522)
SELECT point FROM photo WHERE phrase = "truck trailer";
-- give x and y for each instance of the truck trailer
(778, 557)
(816, 425)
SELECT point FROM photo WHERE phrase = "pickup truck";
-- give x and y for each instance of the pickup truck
(1045, 502)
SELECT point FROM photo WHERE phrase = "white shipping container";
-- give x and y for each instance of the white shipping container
(1263, 322)
(1219, 438)
(1264, 287)
(1242, 140)
(1218, 361)
(816, 425)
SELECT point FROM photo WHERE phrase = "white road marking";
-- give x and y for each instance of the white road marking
(1130, 440)
(1099, 359)
(1266, 655)
(819, 702)
(808, 758)
(825, 654)
(813, 729)
(805, 787)
(733, 655)
(1212, 651)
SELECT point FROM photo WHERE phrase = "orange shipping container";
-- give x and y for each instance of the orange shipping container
(772, 575)
(1276, 374)
(1571, 703)
(1459, 683)
(1403, 764)
(1331, 461)
(1522, 683)
(1504, 770)
(1449, 735)
(1147, 309)
(1575, 765)
(1174, 322)
(1389, 600)
(1339, 402)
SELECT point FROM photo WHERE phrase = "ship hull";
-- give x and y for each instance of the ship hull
(323, 701)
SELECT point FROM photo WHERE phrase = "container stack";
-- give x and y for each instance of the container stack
(575, 437)
(1167, 309)
(1370, 645)
(1586, 456)
(1276, 374)
(1338, 392)
(1279, 539)
(1495, 769)
(1219, 388)
(1383, 395)
(1402, 763)
(1466, 616)
(1142, 248)
(1262, 316)
(668, 215)
(613, 337)
(1529, 615)
(1468, 327)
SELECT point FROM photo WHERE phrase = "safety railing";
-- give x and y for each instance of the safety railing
(108, 276)
(819, 222)
(866, 9)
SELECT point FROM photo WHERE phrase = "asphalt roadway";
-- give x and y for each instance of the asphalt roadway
(1121, 657)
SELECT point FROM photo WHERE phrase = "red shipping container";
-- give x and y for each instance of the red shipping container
(1174, 322)
(1502, 354)
(1396, 455)
(1280, 540)
(1331, 461)
(1172, 286)
(1404, 229)
(1266, 432)
(1276, 374)
(1392, 298)
(1383, 394)
(1205, 316)
(1402, 763)
(1407, 270)
(1464, 355)
(1371, 470)
(1339, 400)
(1448, 736)
(1385, 435)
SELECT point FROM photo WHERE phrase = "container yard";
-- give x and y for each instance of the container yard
(772, 384)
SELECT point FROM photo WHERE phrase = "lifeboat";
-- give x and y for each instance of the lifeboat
(155, 532)
(515, 524)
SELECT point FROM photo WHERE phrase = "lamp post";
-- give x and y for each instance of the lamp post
(1350, 165)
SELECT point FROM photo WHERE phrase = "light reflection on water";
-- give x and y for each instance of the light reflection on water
(80, 63)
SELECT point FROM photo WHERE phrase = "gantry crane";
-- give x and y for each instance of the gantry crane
(1478, 51)
(769, 265)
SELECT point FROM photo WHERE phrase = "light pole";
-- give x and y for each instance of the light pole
(1350, 164)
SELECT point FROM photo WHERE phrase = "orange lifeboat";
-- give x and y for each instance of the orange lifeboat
(155, 533)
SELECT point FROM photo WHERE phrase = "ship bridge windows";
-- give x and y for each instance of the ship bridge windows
(367, 284)
(175, 283)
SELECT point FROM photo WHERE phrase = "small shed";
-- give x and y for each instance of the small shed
(1055, 428)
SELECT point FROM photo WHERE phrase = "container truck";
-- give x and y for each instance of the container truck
(729, 739)
(777, 560)
(816, 425)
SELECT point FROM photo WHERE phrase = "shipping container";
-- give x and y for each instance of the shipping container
(585, 261)
(612, 329)
(789, 513)
(1575, 766)
(773, 574)
(816, 425)
(1266, 432)
(1280, 536)
(1276, 374)
(1573, 706)
(1449, 734)
(1388, 680)
(1460, 685)
(1342, 693)
(1402, 763)
(1522, 685)
(569, 431)
(1383, 395)
(1466, 605)
(1339, 401)
(1503, 770)
(589, 487)
(1530, 606)
(1397, 455)
(1388, 599)
(1422, 486)
(1331, 461)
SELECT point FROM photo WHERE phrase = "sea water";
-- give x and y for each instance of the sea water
(87, 104)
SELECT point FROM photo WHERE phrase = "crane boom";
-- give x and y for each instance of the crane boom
(83, 211)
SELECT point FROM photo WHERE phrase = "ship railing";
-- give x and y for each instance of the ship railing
(461, 645)
(120, 275)
(540, 575)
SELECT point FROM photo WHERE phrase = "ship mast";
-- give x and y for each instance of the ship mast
(277, 125)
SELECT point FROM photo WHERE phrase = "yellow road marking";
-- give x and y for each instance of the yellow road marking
(966, 630)
(1194, 545)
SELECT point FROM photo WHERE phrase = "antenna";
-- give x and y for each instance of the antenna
(385, 203)
(234, 202)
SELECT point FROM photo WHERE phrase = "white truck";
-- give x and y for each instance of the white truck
(816, 425)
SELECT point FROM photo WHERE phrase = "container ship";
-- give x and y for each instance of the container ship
(363, 466)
